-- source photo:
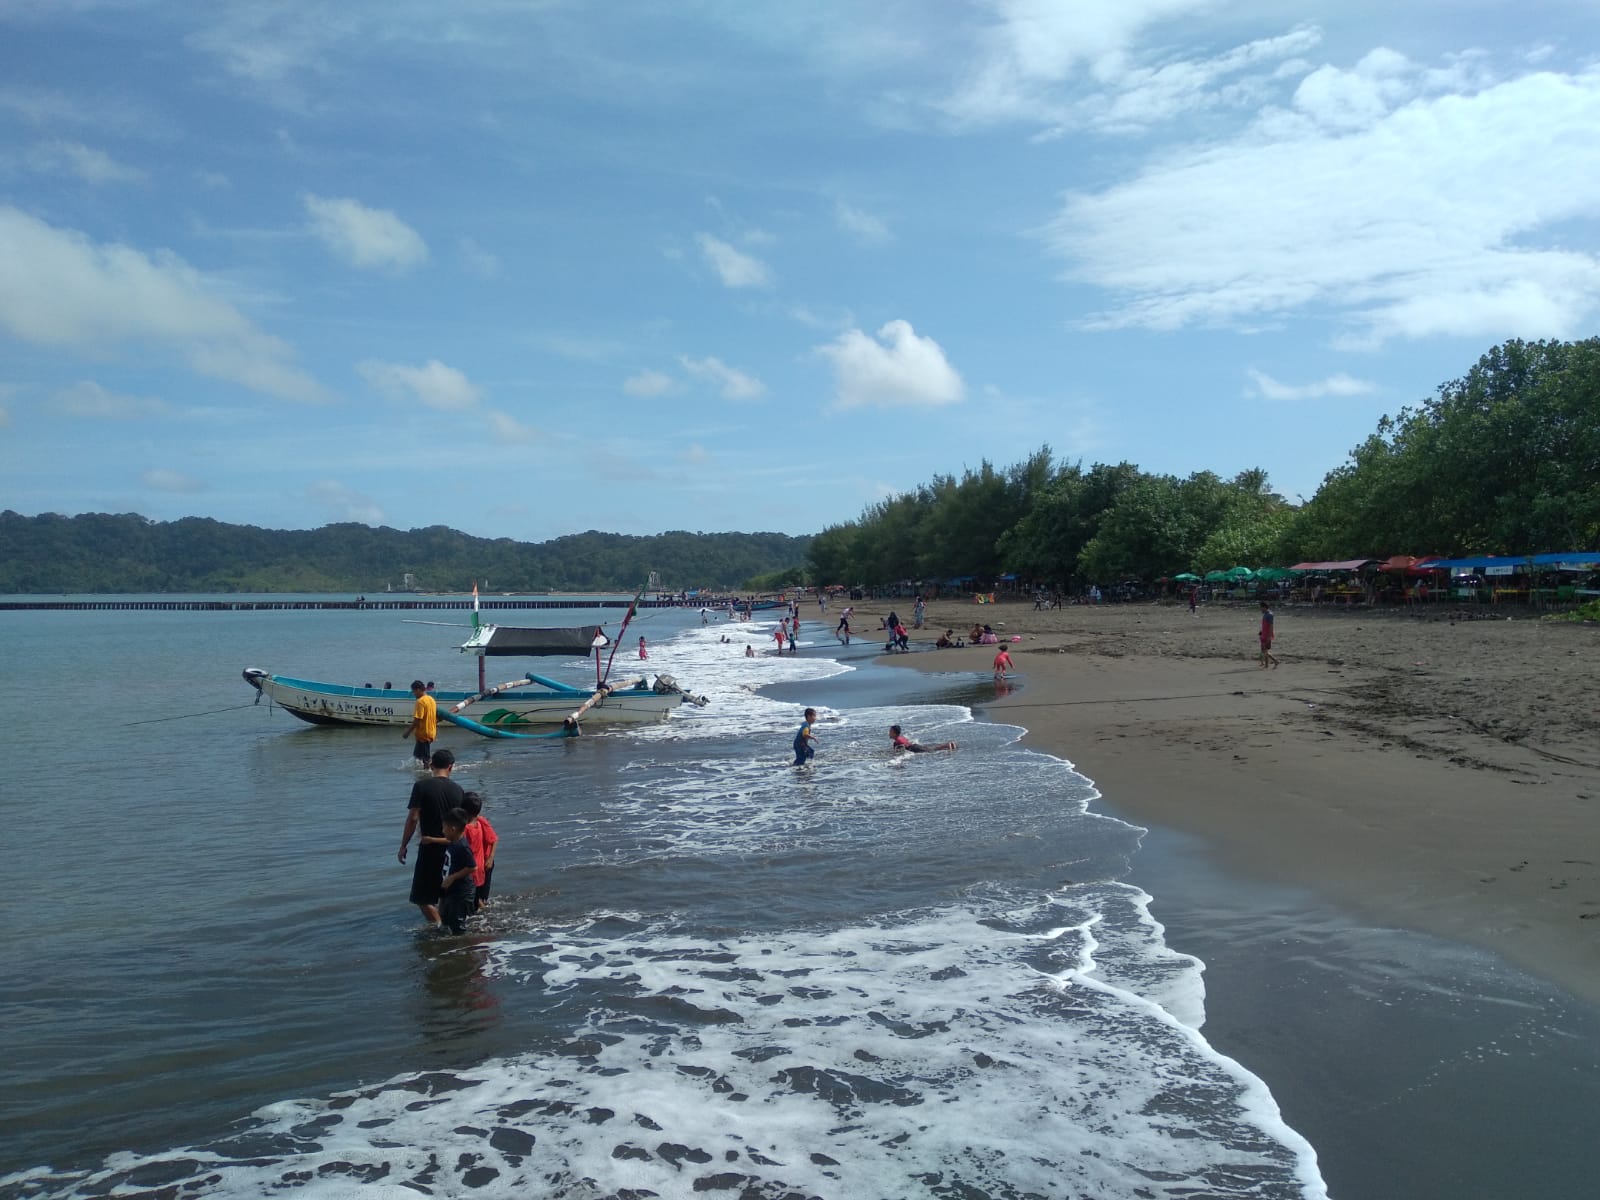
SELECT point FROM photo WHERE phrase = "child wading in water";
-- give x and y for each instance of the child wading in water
(804, 751)
(481, 840)
(458, 894)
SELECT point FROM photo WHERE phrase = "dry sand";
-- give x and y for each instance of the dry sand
(1426, 773)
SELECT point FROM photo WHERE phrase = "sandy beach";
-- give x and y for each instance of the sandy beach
(1427, 773)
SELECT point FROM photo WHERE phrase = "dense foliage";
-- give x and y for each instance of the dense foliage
(1503, 461)
(129, 553)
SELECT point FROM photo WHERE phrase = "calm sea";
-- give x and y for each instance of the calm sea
(705, 972)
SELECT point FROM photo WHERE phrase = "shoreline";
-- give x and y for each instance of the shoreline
(1428, 775)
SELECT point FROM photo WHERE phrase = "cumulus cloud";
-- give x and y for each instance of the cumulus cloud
(80, 162)
(162, 480)
(478, 260)
(1334, 385)
(897, 369)
(344, 504)
(1028, 59)
(1410, 210)
(861, 225)
(730, 382)
(735, 268)
(369, 238)
(648, 383)
(60, 288)
(88, 399)
(432, 384)
(507, 428)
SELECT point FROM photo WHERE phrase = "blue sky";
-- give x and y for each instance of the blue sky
(527, 269)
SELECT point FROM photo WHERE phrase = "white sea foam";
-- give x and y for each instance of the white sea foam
(1003, 1042)
(969, 1050)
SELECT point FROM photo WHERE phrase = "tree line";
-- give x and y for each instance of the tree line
(98, 552)
(1505, 460)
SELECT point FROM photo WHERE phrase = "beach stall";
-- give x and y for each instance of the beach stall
(1538, 579)
(1339, 582)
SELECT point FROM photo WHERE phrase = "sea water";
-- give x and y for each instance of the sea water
(704, 972)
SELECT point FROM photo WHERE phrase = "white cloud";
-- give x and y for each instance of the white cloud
(478, 260)
(733, 384)
(81, 162)
(369, 238)
(88, 399)
(898, 369)
(1410, 213)
(508, 428)
(162, 480)
(1334, 385)
(1036, 46)
(344, 504)
(861, 225)
(696, 454)
(648, 383)
(735, 268)
(59, 288)
(432, 384)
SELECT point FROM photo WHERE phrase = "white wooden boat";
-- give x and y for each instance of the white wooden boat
(547, 703)
(513, 709)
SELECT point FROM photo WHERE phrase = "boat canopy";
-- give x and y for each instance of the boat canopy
(500, 641)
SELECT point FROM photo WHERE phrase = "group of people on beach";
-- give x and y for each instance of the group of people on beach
(455, 846)
(805, 741)
(455, 850)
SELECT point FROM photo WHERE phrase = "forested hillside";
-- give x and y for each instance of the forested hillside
(1505, 460)
(98, 552)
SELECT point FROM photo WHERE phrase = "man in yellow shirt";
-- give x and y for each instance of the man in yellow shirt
(424, 723)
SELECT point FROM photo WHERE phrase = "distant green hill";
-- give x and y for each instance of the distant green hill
(99, 552)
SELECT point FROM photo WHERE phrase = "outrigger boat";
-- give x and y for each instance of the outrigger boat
(512, 709)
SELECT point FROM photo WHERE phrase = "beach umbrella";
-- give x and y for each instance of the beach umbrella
(1271, 573)
(1187, 577)
(1241, 573)
(1216, 577)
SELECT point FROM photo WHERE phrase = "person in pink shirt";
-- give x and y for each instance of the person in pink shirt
(1002, 663)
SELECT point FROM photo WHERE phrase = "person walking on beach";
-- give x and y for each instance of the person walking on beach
(1194, 601)
(778, 636)
(1002, 663)
(901, 742)
(804, 740)
(424, 725)
(1268, 659)
(431, 798)
(643, 653)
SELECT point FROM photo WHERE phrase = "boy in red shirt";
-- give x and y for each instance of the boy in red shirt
(482, 839)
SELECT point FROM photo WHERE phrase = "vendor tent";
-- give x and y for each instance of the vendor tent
(1349, 564)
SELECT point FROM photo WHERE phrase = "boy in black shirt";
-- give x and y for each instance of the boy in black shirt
(458, 896)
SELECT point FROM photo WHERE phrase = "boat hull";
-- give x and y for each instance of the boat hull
(337, 704)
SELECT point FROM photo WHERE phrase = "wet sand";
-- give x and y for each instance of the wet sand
(1425, 773)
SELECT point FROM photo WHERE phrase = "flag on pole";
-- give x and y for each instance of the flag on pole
(475, 604)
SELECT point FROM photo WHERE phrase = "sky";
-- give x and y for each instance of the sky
(531, 268)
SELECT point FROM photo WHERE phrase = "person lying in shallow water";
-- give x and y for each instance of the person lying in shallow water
(902, 742)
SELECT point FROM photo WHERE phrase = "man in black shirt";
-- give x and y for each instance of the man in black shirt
(431, 799)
